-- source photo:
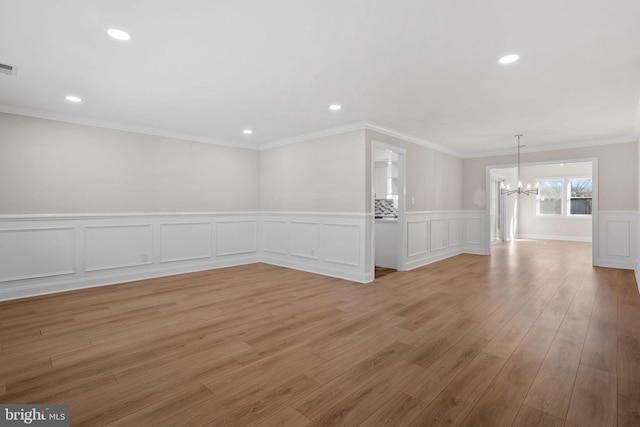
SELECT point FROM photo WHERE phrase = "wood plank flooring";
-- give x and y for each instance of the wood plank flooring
(532, 335)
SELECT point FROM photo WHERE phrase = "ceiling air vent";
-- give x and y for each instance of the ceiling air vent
(7, 69)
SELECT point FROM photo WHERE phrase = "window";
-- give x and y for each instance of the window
(581, 196)
(550, 197)
(564, 197)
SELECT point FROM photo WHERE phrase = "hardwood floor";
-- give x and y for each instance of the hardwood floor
(532, 335)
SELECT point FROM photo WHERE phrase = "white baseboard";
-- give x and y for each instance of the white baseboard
(321, 269)
(554, 237)
(41, 254)
(421, 261)
(72, 284)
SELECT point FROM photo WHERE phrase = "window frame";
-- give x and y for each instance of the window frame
(566, 197)
(572, 178)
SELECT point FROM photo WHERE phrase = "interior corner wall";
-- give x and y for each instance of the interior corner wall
(637, 266)
(434, 178)
(50, 167)
(319, 175)
(314, 215)
(435, 226)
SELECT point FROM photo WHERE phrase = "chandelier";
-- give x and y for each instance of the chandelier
(519, 189)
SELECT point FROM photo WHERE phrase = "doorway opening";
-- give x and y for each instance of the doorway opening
(388, 207)
(565, 207)
(497, 207)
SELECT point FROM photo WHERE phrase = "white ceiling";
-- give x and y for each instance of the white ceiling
(208, 69)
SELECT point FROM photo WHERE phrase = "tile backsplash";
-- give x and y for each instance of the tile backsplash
(384, 207)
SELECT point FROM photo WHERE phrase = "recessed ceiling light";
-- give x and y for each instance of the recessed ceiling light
(335, 107)
(509, 59)
(119, 34)
(247, 131)
(73, 98)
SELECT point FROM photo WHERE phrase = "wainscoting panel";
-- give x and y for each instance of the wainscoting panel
(117, 246)
(433, 236)
(439, 229)
(236, 237)
(473, 233)
(341, 243)
(27, 253)
(417, 238)
(41, 254)
(47, 253)
(455, 232)
(304, 238)
(185, 241)
(274, 237)
(333, 244)
(618, 239)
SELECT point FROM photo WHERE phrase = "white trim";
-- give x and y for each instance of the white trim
(361, 125)
(299, 264)
(401, 232)
(336, 130)
(335, 263)
(313, 214)
(553, 237)
(48, 287)
(126, 127)
(443, 214)
(358, 126)
(554, 147)
(410, 138)
(63, 216)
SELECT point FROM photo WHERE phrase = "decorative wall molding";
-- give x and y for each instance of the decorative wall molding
(54, 253)
(332, 244)
(183, 241)
(618, 239)
(236, 236)
(436, 235)
(114, 246)
(19, 259)
(554, 237)
(473, 233)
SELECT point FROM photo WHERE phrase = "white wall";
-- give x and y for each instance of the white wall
(618, 163)
(560, 228)
(434, 178)
(320, 175)
(54, 167)
(125, 200)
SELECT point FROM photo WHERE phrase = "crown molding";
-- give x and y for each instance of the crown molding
(337, 130)
(351, 127)
(636, 124)
(410, 138)
(86, 121)
(554, 147)
(356, 126)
